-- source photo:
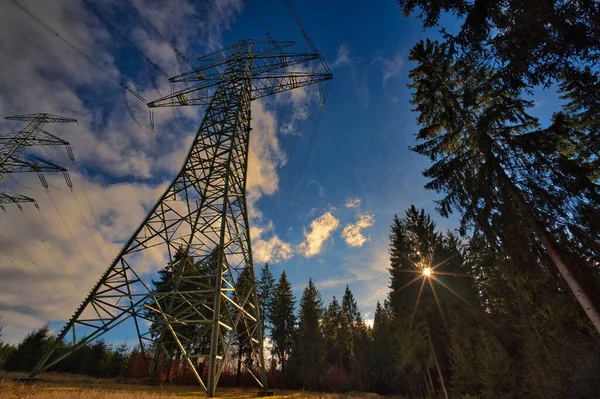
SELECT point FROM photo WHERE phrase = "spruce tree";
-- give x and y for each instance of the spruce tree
(308, 351)
(481, 138)
(266, 291)
(283, 322)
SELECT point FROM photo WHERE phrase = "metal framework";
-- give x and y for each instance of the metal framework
(13, 159)
(198, 230)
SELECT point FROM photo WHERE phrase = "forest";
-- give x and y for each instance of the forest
(506, 306)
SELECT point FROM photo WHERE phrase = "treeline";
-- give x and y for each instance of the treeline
(314, 345)
(97, 359)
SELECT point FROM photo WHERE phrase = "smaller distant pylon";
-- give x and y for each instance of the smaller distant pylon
(14, 160)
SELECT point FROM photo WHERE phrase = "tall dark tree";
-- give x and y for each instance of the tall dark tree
(533, 43)
(333, 334)
(384, 353)
(283, 322)
(482, 140)
(266, 292)
(183, 272)
(308, 351)
(244, 286)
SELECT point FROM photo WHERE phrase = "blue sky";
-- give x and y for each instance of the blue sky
(359, 173)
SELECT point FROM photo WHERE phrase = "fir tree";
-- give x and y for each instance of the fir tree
(266, 292)
(283, 322)
(308, 350)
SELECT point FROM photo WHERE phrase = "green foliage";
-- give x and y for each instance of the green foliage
(266, 293)
(283, 321)
(308, 350)
(26, 355)
(6, 349)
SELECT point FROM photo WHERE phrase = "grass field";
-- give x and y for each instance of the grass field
(58, 386)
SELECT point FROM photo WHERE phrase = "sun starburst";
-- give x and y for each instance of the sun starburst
(426, 273)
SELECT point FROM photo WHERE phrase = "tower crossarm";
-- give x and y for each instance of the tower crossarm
(269, 68)
(11, 198)
(260, 64)
(33, 164)
(259, 47)
(279, 82)
(264, 85)
(41, 117)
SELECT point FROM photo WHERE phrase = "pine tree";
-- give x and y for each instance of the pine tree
(308, 351)
(535, 43)
(283, 322)
(266, 291)
(480, 137)
(384, 353)
(332, 332)
(26, 355)
(244, 286)
(352, 332)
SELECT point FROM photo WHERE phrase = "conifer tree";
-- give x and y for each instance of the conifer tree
(266, 291)
(308, 351)
(283, 322)
(481, 138)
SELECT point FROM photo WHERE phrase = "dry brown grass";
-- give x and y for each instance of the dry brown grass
(59, 386)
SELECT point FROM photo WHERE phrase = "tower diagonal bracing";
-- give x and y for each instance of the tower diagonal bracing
(197, 233)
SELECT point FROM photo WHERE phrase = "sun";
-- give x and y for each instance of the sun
(427, 272)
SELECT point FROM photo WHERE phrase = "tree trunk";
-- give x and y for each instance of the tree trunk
(551, 247)
(430, 380)
(437, 364)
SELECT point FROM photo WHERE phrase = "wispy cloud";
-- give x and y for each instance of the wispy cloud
(352, 233)
(343, 56)
(357, 74)
(391, 67)
(319, 232)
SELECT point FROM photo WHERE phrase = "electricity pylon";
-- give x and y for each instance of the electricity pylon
(12, 148)
(198, 228)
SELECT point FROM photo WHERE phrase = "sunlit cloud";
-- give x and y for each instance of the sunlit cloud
(353, 202)
(319, 232)
(352, 233)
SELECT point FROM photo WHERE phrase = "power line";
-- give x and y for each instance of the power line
(69, 231)
(79, 51)
(99, 15)
(151, 27)
(87, 226)
(50, 251)
(92, 210)
(30, 259)
(306, 156)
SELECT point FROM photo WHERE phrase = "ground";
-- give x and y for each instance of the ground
(59, 386)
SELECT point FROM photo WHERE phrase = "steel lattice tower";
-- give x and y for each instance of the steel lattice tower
(13, 159)
(199, 227)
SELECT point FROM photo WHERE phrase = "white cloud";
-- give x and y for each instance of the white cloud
(129, 167)
(352, 233)
(391, 67)
(353, 202)
(271, 250)
(319, 232)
